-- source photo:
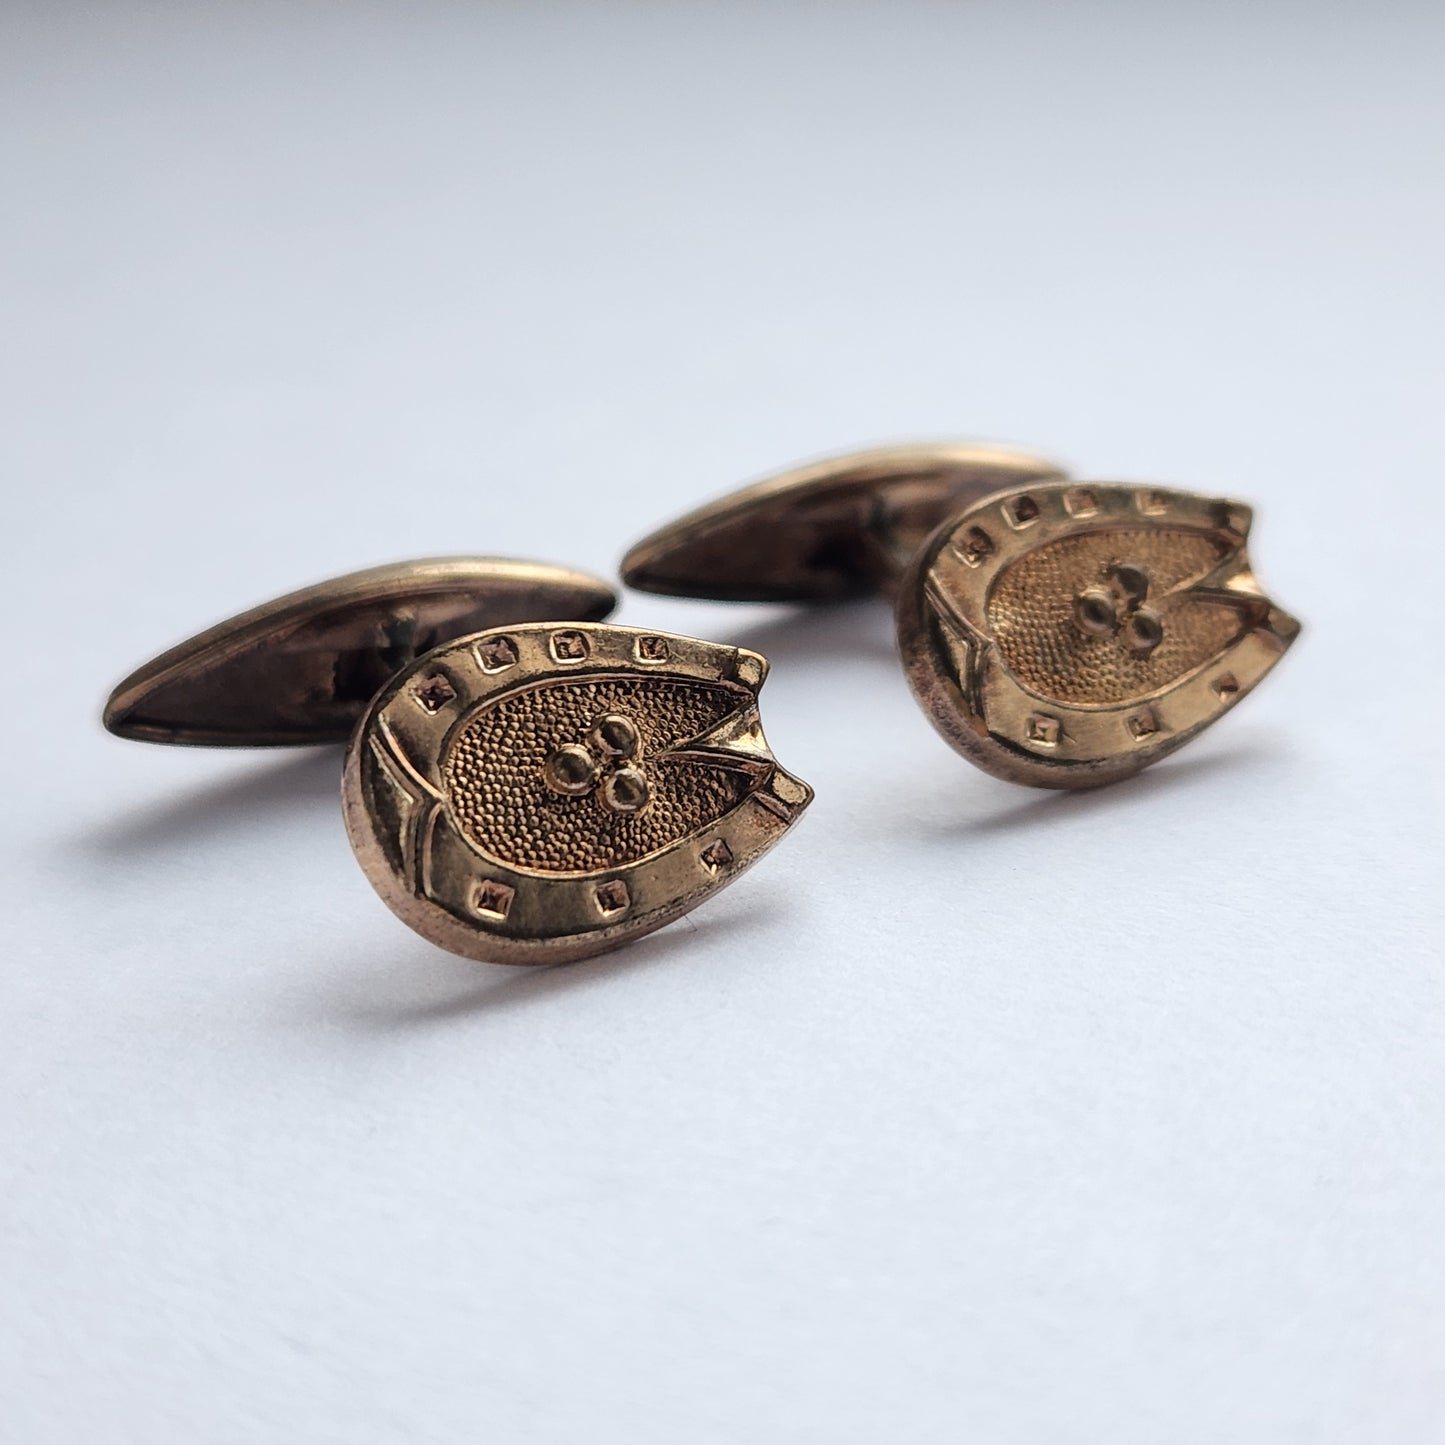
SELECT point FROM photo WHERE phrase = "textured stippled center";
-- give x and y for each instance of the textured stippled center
(1034, 614)
(496, 772)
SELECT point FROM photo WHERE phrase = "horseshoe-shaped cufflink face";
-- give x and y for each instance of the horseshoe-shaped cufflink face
(544, 792)
(1071, 634)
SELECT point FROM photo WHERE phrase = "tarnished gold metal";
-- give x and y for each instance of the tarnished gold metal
(544, 792)
(1060, 633)
(1071, 634)
(842, 527)
(530, 792)
(301, 669)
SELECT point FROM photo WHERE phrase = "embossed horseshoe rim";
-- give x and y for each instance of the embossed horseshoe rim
(465, 899)
(988, 714)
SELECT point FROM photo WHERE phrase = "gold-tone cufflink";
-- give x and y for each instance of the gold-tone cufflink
(540, 792)
(517, 790)
(1057, 632)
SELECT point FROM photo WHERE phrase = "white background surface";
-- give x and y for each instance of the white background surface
(973, 1113)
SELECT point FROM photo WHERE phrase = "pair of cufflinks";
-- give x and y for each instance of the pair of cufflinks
(525, 783)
